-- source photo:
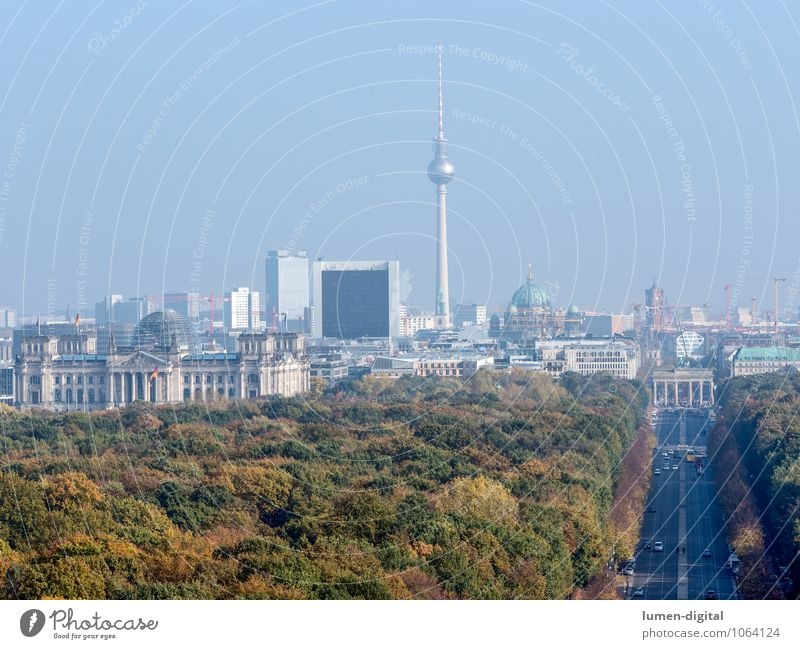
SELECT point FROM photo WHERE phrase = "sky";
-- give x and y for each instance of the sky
(153, 147)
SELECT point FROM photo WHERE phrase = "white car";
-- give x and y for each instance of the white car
(658, 546)
(627, 570)
(674, 467)
(657, 472)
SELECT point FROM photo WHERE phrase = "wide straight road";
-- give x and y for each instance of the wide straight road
(687, 520)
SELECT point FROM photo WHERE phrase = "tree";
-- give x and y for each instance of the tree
(480, 498)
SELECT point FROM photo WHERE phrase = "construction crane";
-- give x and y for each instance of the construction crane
(728, 306)
(775, 280)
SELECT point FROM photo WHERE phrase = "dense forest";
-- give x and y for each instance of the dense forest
(496, 487)
(755, 450)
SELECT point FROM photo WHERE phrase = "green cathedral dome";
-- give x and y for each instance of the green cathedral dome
(529, 295)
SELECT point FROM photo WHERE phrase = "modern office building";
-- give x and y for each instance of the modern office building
(411, 324)
(355, 299)
(113, 308)
(242, 308)
(7, 385)
(331, 368)
(6, 371)
(6, 351)
(287, 296)
(104, 309)
(8, 318)
(454, 365)
(620, 357)
(689, 344)
(469, 314)
(604, 325)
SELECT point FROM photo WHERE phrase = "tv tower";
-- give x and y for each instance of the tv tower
(441, 172)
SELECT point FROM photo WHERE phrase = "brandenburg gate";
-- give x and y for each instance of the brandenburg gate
(678, 386)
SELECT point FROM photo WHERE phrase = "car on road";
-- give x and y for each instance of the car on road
(665, 454)
(658, 546)
(711, 594)
(647, 545)
(665, 467)
(651, 509)
(627, 570)
(657, 472)
(638, 593)
(706, 553)
(674, 467)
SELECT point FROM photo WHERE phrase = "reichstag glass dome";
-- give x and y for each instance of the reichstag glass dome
(162, 330)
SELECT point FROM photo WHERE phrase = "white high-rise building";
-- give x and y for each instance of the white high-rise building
(287, 297)
(242, 307)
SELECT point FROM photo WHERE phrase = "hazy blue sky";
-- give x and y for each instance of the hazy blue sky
(163, 146)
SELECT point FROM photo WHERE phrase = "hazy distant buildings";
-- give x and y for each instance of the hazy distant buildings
(411, 324)
(103, 309)
(469, 314)
(655, 303)
(6, 351)
(287, 297)
(184, 303)
(355, 299)
(602, 325)
(241, 312)
(113, 308)
(8, 318)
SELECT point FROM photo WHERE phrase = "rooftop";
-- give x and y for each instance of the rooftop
(774, 354)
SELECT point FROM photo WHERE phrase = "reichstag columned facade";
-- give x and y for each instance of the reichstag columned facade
(66, 372)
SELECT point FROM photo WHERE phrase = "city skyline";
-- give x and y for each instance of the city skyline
(523, 113)
(406, 301)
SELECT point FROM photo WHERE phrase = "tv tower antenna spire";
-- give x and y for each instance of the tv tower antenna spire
(441, 102)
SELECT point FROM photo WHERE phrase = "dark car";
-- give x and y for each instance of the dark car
(711, 594)
(647, 545)
(706, 553)
(651, 509)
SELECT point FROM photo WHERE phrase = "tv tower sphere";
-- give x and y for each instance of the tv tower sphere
(441, 171)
